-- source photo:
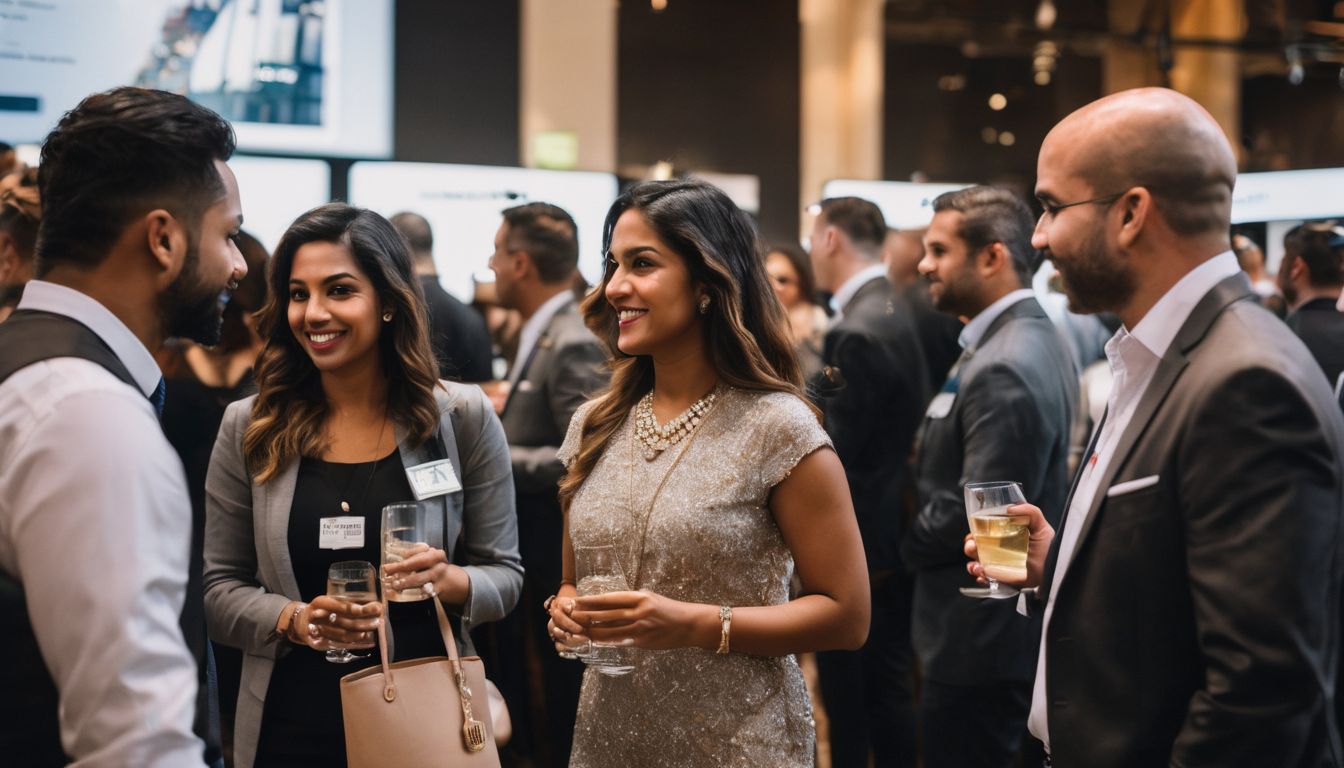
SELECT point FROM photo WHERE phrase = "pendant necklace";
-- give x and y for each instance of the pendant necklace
(377, 449)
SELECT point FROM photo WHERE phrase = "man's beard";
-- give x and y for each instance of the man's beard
(1094, 279)
(193, 310)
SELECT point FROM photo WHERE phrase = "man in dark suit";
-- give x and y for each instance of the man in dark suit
(456, 332)
(1310, 279)
(1191, 600)
(871, 391)
(558, 366)
(1003, 414)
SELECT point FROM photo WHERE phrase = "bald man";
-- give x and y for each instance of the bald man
(1191, 596)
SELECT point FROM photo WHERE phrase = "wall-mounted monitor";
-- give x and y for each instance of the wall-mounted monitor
(1284, 199)
(275, 190)
(463, 204)
(294, 76)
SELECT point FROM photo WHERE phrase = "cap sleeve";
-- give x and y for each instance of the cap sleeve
(789, 432)
(570, 447)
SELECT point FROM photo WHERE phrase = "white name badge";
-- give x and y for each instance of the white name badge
(433, 479)
(341, 533)
(941, 405)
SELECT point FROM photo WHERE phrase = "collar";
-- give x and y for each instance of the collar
(975, 329)
(845, 293)
(1159, 327)
(42, 296)
(548, 310)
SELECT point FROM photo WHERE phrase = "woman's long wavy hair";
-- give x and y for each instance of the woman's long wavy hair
(745, 331)
(290, 409)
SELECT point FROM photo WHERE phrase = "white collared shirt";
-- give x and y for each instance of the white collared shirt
(975, 329)
(95, 522)
(845, 293)
(533, 328)
(1134, 357)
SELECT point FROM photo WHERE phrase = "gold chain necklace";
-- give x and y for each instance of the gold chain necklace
(654, 438)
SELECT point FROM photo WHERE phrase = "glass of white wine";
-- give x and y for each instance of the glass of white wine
(407, 531)
(1000, 538)
(599, 571)
(350, 581)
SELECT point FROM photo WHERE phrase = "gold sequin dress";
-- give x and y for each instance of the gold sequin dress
(711, 539)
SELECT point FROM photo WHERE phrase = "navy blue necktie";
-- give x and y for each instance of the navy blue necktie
(160, 392)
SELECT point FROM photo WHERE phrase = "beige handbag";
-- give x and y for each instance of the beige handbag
(419, 713)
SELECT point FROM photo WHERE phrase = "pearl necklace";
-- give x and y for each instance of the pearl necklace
(656, 439)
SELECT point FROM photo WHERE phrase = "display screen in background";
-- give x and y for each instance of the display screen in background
(463, 204)
(310, 78)
(275, 190)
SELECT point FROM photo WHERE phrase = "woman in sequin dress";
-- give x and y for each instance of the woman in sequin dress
(710, 476)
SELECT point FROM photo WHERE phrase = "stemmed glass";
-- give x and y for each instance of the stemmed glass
(599, 571)
(351, 581)
(1000, 538)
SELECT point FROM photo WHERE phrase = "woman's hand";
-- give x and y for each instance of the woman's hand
(427, 568)
(647, 620)
(327, 620)
(561, 628)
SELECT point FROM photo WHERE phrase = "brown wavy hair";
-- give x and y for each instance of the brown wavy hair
(745, 332)
(290, 408)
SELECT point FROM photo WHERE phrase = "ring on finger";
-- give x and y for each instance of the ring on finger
(428, 588)
(331, 618)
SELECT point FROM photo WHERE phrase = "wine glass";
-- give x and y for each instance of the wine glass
(599, 571)
(350, 581)
(1000, 538)
(407, 530)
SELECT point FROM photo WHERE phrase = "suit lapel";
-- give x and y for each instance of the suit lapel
(279, 497)
(1202, 317)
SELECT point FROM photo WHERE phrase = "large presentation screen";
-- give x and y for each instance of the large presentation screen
(308, 77)
(904, 204)
(463, 204)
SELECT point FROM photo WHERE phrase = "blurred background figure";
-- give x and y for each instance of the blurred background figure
(9, 159)
(937, 332)
(1251, 259)
(1311, 282)
(457, 334)
(791, 276)
(200, 383)
(503, 325)
(20, 212)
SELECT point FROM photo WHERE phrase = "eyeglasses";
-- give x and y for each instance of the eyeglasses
(1052, 210)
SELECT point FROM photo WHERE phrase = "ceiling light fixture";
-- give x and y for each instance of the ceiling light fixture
(997, 102)
(1046, 13)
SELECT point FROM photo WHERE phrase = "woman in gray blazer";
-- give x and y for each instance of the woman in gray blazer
(348, 405)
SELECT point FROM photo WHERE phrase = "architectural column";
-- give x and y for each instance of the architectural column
(568, 73)
(1207, 74)
(842, 64)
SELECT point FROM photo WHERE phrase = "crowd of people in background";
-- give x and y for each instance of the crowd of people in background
(774, 441)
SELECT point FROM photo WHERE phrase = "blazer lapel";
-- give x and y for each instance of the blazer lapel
(279, 497)
(1232, 289)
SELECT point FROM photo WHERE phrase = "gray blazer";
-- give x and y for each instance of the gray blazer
(249, 577)
(563, 371)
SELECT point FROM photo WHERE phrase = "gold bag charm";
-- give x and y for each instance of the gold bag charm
(473, 730)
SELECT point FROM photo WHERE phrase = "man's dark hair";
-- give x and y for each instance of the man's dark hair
(549, 236)
(992, 215)
(117, 156)
(419, 236)
(861, 220)
(1311, 244)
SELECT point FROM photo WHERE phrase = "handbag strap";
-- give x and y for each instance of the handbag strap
(449, 643)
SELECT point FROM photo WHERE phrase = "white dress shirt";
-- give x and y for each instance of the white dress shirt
(95, 522)
(533, 328)
(1134, 357)
(847, 289)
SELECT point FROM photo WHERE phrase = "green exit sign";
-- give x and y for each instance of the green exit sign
(557, 150)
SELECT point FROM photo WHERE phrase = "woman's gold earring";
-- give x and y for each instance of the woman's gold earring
(387, 317)
(704, 305)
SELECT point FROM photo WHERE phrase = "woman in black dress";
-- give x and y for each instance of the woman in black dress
(348, 400)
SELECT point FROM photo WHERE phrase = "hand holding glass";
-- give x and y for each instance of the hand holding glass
(350, 581)
(599, 572)
(1001, 539)
(407, 532)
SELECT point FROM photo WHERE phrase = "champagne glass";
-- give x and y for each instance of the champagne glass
(1000, 538)
(599, 571)
(408, 530)
(350, 581)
